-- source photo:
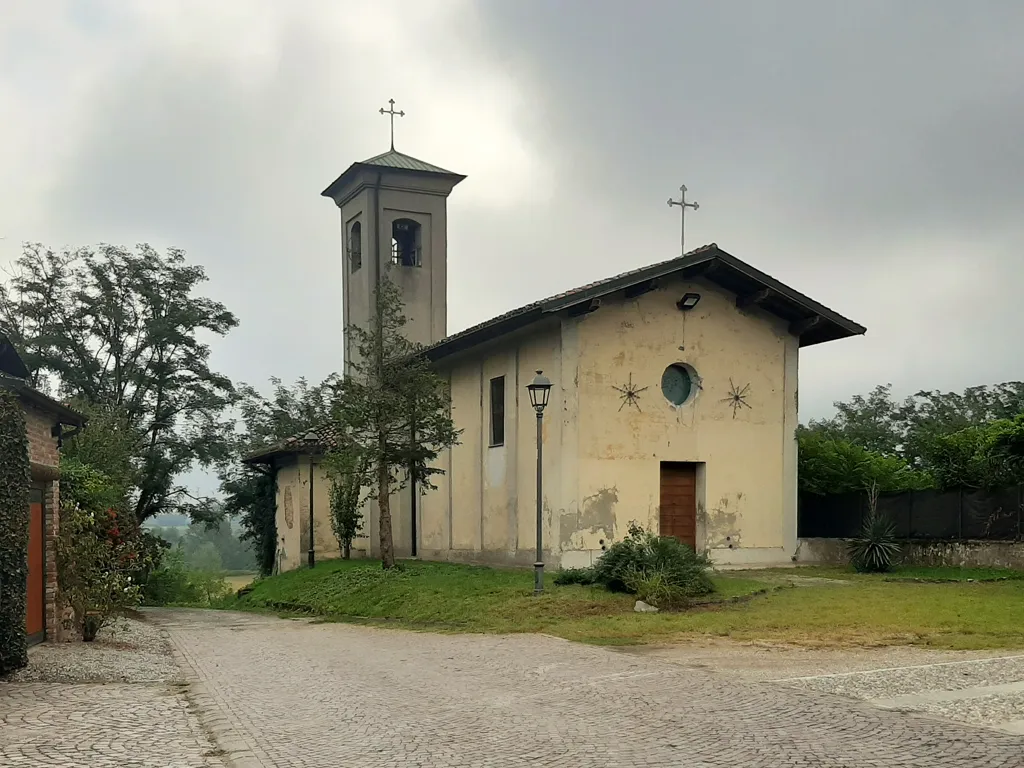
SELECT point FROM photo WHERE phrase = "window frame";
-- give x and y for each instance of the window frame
(494, 439)
(355, 255)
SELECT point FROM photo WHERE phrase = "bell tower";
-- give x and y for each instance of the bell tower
(394, 222)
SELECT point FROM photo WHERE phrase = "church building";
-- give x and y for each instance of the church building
(674, 399)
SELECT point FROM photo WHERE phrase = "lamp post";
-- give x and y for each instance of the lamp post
(539, 389)
(311, 440)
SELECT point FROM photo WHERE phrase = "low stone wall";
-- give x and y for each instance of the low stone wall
(965, 554)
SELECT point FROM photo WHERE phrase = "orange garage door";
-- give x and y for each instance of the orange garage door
(36, 569)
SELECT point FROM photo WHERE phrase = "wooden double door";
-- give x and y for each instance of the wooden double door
(35, 622)
(678, 512)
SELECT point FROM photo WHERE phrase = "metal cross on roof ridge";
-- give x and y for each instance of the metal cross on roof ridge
(391, 111)
(683, 205)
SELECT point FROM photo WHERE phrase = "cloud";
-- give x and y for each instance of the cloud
(865, 153)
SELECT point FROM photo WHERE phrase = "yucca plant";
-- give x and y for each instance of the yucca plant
(877, 547)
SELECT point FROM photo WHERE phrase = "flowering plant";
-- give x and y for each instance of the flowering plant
(99, 554)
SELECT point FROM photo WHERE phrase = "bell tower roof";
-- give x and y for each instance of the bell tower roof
(394, 161)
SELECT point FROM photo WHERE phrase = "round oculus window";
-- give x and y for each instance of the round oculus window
(677, 383)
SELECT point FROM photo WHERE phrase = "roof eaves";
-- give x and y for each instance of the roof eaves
(801, 300)
(704, 258)
(423, 169)
(66, 415)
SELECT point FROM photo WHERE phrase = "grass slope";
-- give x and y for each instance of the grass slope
(829, 607)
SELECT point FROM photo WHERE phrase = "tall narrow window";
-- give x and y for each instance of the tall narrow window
(405, 243)
(498, 411)
(355, 246)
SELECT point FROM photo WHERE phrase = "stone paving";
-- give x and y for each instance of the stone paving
(116, 703)
(978, 691)
(292, 694)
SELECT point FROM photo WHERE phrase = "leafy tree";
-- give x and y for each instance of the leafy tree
(215, 547)
(945, 435)
(394, 408)
(252, 496)
(979, 456)
(250, 492)
(121, 329)
(348, 469)
(830, 464)
(1008, 440)
(872, 422)
(109, 446)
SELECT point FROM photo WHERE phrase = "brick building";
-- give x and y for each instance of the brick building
(47, 422)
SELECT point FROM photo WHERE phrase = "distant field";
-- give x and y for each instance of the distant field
(237, 581)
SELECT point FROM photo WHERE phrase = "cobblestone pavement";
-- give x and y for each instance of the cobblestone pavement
(116, 703)
(978, 691)
(291, 694)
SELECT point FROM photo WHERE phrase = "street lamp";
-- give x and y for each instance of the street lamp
(311, 440)
(539, 389)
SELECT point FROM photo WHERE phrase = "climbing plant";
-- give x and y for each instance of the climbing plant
(14, 497)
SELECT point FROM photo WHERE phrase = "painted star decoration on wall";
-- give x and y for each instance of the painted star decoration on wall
(630, 393)
(737, 398)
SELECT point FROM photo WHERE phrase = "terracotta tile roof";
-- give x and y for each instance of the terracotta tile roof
(327, 436)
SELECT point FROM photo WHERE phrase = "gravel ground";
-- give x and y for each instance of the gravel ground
(126, 651)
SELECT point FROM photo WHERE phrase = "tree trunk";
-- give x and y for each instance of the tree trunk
(387, 545)
(347, 553)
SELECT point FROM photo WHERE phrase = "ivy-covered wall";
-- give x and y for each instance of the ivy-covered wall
(14, 497)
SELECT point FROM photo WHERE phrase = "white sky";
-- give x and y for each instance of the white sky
(867, 154)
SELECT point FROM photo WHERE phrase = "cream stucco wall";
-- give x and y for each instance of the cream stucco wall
(602, 462)
(293, 515)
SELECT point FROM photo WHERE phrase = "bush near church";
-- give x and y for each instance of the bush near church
(660, 570)
(100, 549)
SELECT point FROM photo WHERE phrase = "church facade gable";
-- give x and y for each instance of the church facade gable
(642, 388)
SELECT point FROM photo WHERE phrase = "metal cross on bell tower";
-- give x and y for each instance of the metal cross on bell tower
(392, 112)
(683, 205)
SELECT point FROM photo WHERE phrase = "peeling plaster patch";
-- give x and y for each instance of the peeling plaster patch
(304, 531)
(722, 526)
(595, 521)
(289, 509)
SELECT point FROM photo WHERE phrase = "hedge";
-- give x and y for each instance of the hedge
(14, 498)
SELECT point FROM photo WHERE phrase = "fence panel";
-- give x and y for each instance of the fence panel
(990, 515)
(959, 514)
(899, 508)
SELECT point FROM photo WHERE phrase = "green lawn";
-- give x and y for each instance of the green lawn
(845, 608)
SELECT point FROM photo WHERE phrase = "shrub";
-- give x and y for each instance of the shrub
(654, 588)
(169, 583)
(876, 547)
(174, 583)
(97, 552)
(582, 576)
(660, 565)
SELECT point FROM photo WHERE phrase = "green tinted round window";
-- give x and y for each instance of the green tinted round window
(677, 383)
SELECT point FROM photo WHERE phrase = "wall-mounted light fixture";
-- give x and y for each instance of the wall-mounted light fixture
(688, 302)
